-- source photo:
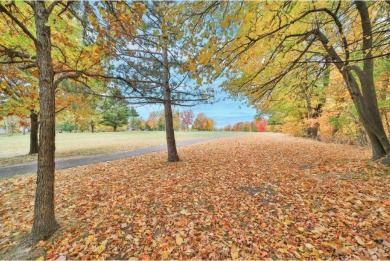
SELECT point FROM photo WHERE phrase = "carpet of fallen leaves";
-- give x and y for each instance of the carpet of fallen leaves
(257, 196)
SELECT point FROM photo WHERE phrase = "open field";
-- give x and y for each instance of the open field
(257, 196)
(14, 148)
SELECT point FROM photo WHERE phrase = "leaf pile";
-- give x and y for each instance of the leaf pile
(257, 196)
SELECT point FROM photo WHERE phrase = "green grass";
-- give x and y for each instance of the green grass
(14, 149)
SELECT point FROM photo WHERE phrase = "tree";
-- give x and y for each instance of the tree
(289, 35)
(176, 120)
(161, 122)
(382, 71)
(116, 112)
(11, 123)
(134, 121)
(202, 123)
(21, 97)
(199, 123)
(133, 112)
(187, 118)
(68, 127)
(149, 70)
(30, 31)
(75, 106)
(246, 127)
(257, 125)
(153, 120)
(227, 128)
(209, 124)
(238, 126)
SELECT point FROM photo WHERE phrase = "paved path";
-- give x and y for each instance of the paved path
(65, 163)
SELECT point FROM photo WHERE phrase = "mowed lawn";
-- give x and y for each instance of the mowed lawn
(13, 149)
(257, 196)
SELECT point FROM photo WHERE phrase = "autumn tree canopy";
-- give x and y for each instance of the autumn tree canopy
(35, 38)
(267, 44)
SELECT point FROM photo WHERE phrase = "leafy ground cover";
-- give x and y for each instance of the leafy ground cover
(14, 148)
(257, 196)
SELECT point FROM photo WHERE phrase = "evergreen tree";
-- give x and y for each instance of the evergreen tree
(116, 112)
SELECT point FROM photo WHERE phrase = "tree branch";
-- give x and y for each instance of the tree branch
(19, 23)
(64, 77)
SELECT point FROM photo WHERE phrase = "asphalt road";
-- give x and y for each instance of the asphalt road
(65, 163)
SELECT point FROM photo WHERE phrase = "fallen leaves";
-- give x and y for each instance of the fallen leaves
(234, 252)
(249, 197)
(101, 247)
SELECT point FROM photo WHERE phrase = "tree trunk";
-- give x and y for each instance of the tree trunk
(114, 127)
(367, 108)
(170, 133)
(169, 130)
(92, 127)
(33, 133)
(6, 126)
(377, 149)
(367, 103)
(362, 134)
(44, 224)
(362, 88)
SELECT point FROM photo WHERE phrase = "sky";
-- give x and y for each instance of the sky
(225, 112)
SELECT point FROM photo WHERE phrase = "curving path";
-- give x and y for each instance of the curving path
(65, 163)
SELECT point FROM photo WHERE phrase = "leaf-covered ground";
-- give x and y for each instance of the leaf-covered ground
(257, 196)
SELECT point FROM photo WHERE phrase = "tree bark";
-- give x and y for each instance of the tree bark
(362, 88)
(33, 133)
(114, 127)
(169, 130)
(44, 224)
(92, 127)
(6, 126)
(369, 109)
(170, 133)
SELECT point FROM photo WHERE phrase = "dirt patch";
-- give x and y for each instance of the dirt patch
(22, 250)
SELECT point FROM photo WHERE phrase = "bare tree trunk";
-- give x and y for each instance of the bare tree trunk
(44, 224)
(6, 126)
(33, 133)
(170, 133)
(169, 130)
(362, 135)
(92, 127)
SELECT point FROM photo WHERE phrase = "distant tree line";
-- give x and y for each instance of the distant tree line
(257, 125)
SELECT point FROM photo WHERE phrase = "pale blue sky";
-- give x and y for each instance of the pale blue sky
(224, 112)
